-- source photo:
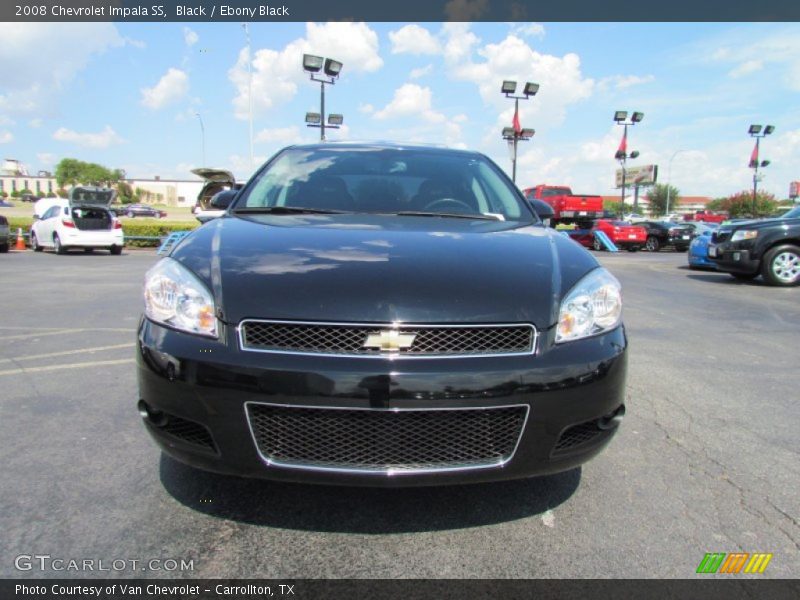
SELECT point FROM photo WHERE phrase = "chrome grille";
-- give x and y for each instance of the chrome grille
(349, 339)
(385, 441)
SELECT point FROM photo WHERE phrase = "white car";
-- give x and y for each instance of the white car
(216, 180)
(634, 218)
(82, 221)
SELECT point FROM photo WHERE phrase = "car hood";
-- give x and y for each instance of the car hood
(372, 268)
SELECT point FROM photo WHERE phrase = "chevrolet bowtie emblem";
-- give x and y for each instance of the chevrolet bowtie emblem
(390, 340)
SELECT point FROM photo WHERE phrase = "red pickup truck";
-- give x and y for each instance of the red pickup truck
(568, 207)
(707, 216)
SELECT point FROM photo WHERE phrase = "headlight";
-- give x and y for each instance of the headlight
(744, 234)
(593, 306)
(176, 297)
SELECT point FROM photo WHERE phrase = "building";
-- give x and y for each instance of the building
(686, 204)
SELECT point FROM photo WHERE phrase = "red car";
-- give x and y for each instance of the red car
(623, 234)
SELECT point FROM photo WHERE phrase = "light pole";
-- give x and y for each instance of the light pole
(313, 64)
(669, 176)
(622, 155)
(516, 133)
(755, 131)
(249, 91)
(202, 139)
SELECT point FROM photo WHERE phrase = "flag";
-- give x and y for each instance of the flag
(754, 157)
(623, 145)
(515, 122)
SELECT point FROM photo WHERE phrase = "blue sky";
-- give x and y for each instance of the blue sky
(126, 95)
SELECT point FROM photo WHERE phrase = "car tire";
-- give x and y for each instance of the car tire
(3, 248)
(681, 248)
(652, 244)
(35, 243)
(59, 249)
(115, 250)
(744, 276)
(781, 266)
(597, 244)
(130, 215)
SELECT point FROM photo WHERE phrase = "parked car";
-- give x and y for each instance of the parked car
(623, 234)
(661, 234)
(5, 203)
(634, 218)
(29, 198)
(82, 221)
(672, 218)
(139, 210)
(4, 234)
(706, 215)
(216, 180)
(698, 251)
(385, 315)
(42, 205)
(766, 247)
(567, 207)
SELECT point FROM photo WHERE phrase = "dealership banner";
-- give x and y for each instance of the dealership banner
(641, 176)
(794, 189)
(407, 10)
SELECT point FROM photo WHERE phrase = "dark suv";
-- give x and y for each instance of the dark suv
(769, 247)
(661, 233)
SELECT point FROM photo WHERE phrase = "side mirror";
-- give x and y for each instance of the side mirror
(36, 217)
(542, 209)
(222, 200)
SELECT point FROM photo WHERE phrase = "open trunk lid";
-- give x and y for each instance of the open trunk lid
(89, 196)
(216, 181)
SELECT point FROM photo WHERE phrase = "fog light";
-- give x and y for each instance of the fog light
(737, 256)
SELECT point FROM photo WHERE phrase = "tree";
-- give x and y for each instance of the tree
(658, 198)
(125, 193)
(741, 204)
(71, 171)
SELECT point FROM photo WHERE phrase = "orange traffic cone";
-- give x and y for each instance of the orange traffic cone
(20, 240)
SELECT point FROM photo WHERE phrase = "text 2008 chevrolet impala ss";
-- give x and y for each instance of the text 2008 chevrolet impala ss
(380, 314)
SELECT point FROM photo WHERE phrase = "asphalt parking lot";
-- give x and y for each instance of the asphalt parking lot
(707, 459)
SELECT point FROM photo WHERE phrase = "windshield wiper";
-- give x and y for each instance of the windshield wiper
(285, 210)
(418, 213)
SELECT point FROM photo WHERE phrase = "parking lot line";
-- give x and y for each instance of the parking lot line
(99, 363)
(23, 336)
(66, 352)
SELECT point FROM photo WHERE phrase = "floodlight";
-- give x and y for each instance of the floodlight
(765, 163)
(526, 134)
(637, 117)
(620, 115)
(754, 129)
(634, 154)
(531, 89)
(312, 63)
(509, 87)
(332, 67)
(769, 129)
(619, 155)
(313, 118)
(508, 132)
(335, 119)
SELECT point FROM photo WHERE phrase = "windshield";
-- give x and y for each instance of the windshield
(792, 214)
(369, 179)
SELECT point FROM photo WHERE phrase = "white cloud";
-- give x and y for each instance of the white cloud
(35, 123)
(421, 72)
(6, 121)
(46, 159)
(366, 109)
(277, 73)
(40, 59)
(745, 68)
(171, 88)
(528, 29)
(411, 100)
(103, 139)
(190, 37)
(6, 137)
(282, 135)
(413, 39)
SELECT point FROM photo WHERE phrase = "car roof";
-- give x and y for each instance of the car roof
(378, 145)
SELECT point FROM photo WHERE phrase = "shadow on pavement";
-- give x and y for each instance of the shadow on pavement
(363, 510)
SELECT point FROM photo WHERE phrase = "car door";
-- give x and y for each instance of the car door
(47, 224)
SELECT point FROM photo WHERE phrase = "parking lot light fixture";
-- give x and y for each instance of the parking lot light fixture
(312, 63)
(335, 120)
(622, 154)
(313, 118)
(332, 68)
(515, 133)
(620, 115)
(755, 131)
(637, 117)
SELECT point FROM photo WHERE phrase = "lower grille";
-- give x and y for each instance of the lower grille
(577, 435)
(378, 340)
(386, 441)
(188, 432)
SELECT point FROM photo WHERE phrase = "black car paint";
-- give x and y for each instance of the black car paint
(669, 234)
(380, 269)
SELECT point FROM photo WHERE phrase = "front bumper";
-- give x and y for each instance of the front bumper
(208, 384)
(733, 257)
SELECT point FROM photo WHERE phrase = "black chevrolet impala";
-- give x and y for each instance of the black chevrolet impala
(380, 314)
